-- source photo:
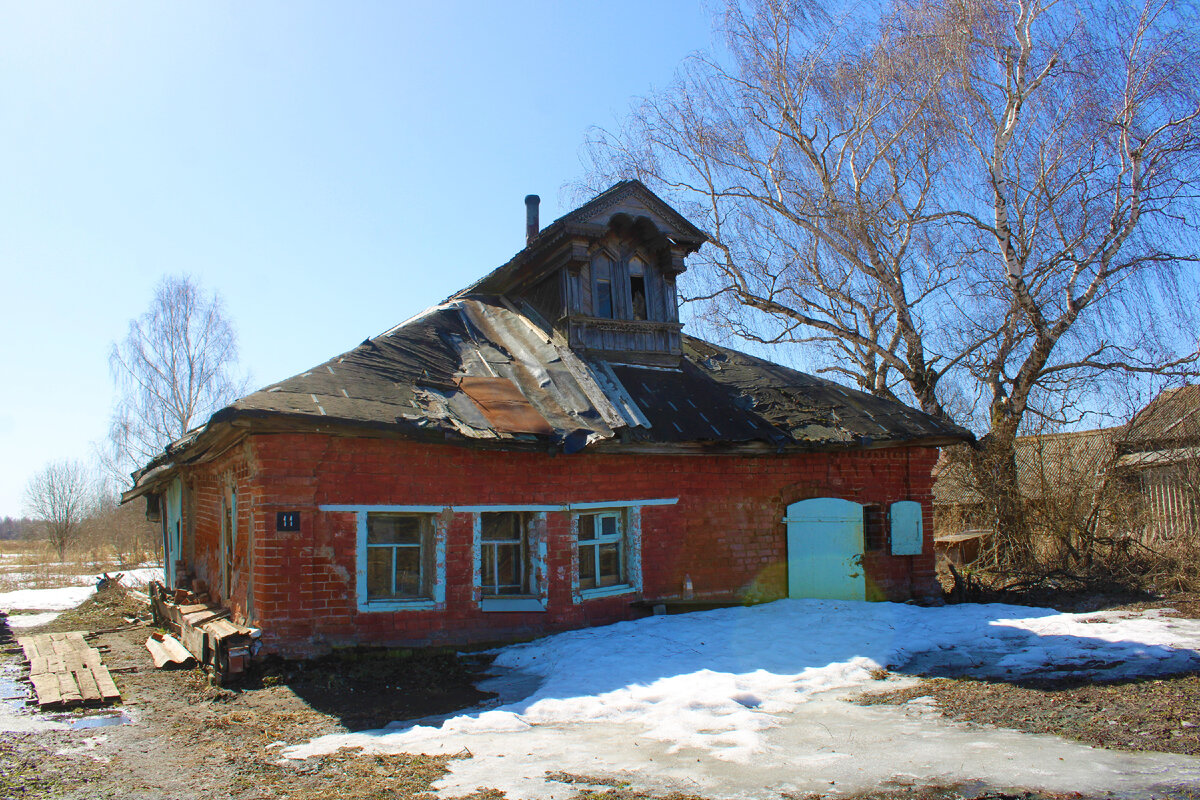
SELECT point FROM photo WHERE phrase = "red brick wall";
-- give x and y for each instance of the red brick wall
(204, 490)
(725, 532)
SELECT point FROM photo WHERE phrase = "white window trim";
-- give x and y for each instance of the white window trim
(536, 520)
(440, 525)
(437, 537)
(632, 552)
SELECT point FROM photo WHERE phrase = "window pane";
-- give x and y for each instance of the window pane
(408, 572)
(587, 526)
(503, 571)
(501, 527)
(608, 525)
(379, 572)
(604, 304)
(587, 567)
(610, 564)
(393, 529)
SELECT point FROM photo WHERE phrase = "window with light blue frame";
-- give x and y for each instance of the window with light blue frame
(602, 549)
(608, 547)
(401, 557)
(510, 559)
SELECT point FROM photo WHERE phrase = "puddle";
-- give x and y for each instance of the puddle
(13, 693)
(100, 721)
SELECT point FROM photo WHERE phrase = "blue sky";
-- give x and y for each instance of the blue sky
(329, 169)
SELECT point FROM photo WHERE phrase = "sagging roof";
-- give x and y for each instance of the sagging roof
(477, 369)
(1170, 420)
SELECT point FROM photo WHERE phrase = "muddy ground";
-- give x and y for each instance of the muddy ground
(188, 739)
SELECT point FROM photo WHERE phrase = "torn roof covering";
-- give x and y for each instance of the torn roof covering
(476, 369)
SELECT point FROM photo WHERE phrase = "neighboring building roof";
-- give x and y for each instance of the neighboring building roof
(1170, 420)
(1053, 462)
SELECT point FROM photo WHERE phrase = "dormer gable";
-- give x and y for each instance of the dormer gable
(603, 276)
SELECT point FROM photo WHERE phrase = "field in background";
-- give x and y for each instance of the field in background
(34, 564)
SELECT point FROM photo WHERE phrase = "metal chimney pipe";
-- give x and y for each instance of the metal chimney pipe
(531, 217)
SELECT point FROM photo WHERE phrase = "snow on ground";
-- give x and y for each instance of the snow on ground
(31, 620)
(59, 599)
(139, 578)
(747, 702)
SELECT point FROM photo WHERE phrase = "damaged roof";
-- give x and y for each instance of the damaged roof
(475, 369)
(486, 370)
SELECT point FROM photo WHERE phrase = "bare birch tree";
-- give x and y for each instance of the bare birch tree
(949, 195)
(174, 368)
(60, 496)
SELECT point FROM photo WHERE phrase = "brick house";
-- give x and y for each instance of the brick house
(545, 450)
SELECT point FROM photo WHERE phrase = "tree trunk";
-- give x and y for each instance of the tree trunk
(995, 475)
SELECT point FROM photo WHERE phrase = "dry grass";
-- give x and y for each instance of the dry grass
(33, 564)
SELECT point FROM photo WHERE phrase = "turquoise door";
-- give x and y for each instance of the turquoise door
(824, 549)
(174, 522)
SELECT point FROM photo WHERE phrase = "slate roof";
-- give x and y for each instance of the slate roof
(410, 379)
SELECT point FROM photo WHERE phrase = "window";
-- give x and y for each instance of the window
(638, 288)
(399, 555)
(602, 293)
(601, 550)
(505, 568)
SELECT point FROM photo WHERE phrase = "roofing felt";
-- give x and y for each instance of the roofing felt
(477, 369)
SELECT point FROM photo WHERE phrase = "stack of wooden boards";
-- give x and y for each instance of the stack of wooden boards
(206, 632)
(66, 671)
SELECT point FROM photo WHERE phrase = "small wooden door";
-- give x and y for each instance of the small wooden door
(825, 547)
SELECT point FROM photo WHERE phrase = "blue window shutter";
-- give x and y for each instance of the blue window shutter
(907, 535)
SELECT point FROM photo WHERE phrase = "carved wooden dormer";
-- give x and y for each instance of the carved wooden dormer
(603, 276)
(621, 295)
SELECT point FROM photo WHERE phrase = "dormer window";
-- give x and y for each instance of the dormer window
(602, 291)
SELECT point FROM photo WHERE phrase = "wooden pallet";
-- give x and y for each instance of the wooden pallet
(66, 671)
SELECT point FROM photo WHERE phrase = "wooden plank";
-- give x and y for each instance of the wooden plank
(195, 641)
(221, 629)
(201, 617)
(194, 607)
(68, 689)
(104, 682)
(89, 690)
(39, 665)
(47, 689)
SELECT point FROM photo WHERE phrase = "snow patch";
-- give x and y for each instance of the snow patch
(59, 599)
(748, 701)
